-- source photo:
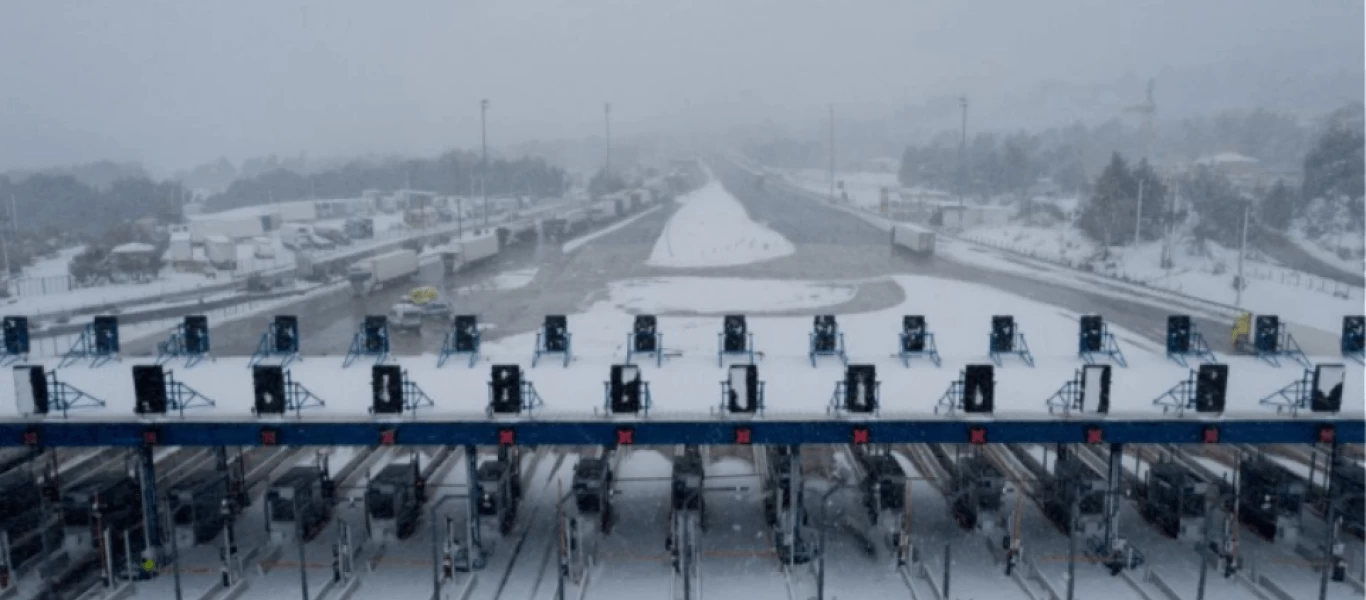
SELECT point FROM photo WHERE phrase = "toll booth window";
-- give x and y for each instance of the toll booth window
(183, 515)
(281, 509)
(381, 504)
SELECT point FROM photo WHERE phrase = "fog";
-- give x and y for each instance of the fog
(173, 83)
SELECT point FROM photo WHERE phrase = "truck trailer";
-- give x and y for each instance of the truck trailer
(387, 268)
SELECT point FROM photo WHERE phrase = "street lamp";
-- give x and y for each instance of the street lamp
(484, 162)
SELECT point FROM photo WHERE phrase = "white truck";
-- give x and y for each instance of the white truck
(180, 249)
(263, 247)
(379, 271)
(917, 241)
(221, 252)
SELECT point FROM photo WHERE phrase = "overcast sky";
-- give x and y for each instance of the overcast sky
(174, 83)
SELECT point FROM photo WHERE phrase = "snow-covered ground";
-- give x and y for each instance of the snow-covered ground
(863, 188)
(959, 313)
(704, 295)
(712, 229)
(1326, 249)
(170, 282)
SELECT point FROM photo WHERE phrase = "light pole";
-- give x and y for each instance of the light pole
(607, 130)
(962, 151)
(1240, 283)
(484, 161)
(832, 152)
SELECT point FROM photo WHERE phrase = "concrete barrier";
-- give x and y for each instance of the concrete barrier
(1251, 587)
(1274, 588)
(1137, 587)
(936, 589)
(1047, 585)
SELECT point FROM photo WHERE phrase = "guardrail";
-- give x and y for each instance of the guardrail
(1161, 584)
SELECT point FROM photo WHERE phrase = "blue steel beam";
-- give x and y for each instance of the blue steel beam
(707, 432)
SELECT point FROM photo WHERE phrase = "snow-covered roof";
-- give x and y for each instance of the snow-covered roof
(1226, 158)
(132, 248)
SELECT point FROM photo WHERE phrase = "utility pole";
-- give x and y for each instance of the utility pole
(607, 129)
(484, 162)
(832, 152)
(1242, 250)
(962, 152)
(1138, 218)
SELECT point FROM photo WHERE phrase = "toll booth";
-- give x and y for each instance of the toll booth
(554, 338)
(1203, 390)
(734, 339)
(1094, 341)
(498, 494)
(38, 392)
(393, 501)
(858, 393)
(826, 339)
(371, 339)
(592, 485)
(916, 340)
(299, 503)
(196, 505)
(645, 338)
(742, 392)
(463, 338)
(1007, 339)
(281, 340)
(189, 340)
(1354, 337)
(156, 391)
(974, 392)
(98, 341)
(14, 340)
(1184, 339)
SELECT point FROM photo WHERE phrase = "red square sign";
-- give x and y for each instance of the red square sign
(151, 437)
(743, 436)
(626, 436)
(270, 436)
(507, 436)
(861, 435)
(388, 437)
(1095, 435)
(977, 434)
(32, 438)
(1328, 434)
(1210, 435)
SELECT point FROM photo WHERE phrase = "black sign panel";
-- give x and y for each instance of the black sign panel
(1325, 395)
(743, 390)
(196, 334)
(1095, 388)
(556, 332)
(1268, 333)
(979, 389)
(734, 332)
(624, 389)
(268, 386)
(860, 388)
(506, 386)
(106, 330)
(149, 389)
(375, 330)
(1353, 334)
(824, 331)
(1178, 334)
(15, 331)
(1211, 383)
(1002, 333)
(913, 333)
(466, 332)
(30, 390)
(1092, 333)
(285, 329)
(386, 389)
(643, 334)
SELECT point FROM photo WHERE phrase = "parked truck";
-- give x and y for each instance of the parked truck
(469, 252)
(379, 271)
(221, 252)
(917, 241)
(180, 250)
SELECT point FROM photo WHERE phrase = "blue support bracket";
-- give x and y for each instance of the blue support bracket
(87, 346)
(836, 406)
(1285, 346)
(836, 350)
(721, 348)
(1021, 349)
(65, 397)
(645, 402)
(177, 346)
(1067, 398)
(359, 348)
(929, 350)
(541, 348)
(1180, 398)
(952, 400)
(413, 397)
(1199, 349)
(268, 347)
(1109, 346)
(1294, 397)
(180, 396)
(298, 397)
(449, 348)
(631, 350)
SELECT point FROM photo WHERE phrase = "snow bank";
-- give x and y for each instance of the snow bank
(712, 229)
(512, 280)
(708, 295)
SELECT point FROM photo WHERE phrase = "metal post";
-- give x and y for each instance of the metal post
(607, 128)
(175, 559)
(1072, 542)
(472, 507)
(1138, 218)
(1204, 556)
(299, 534)
(948, 573)
(832, 152)
(962, 152)
(484, 162)
(1330, 517)
(436, 553)
(793, 485)
(151, 526)
(1112, 502)
(1242, 250)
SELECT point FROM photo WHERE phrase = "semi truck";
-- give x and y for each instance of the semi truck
(221, 252)
(917, 241)
(379, 271)
(470, 251)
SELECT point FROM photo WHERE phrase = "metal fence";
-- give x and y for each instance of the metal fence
(40, 286)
